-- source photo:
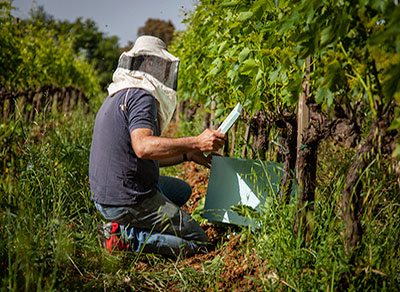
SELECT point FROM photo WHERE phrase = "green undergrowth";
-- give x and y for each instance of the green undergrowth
(46, 217)
(48, 226)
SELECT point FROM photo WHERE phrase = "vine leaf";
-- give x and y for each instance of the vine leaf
(222, 47)
(248, 67)
(230, 3)
(243, 54)
(273, 76)
(324, 94)
(244, 16)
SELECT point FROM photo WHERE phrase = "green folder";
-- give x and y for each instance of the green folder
(246, 185)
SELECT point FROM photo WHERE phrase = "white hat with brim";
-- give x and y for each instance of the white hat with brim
(149, 45)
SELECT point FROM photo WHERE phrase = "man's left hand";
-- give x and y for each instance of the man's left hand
(200, 158)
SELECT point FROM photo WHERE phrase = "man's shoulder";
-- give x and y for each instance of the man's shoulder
(136, 99)
(133, 92)
(132, 97)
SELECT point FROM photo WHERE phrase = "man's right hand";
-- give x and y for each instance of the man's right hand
(210, 140)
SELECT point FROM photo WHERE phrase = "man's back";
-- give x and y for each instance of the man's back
(117, 176)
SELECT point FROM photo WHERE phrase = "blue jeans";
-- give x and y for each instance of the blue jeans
(157, 224)
(175, 189)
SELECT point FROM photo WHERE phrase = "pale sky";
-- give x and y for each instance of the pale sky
(121, 18)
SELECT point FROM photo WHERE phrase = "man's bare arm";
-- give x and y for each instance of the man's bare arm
(169, 161)
(196, 156)
(147, 146)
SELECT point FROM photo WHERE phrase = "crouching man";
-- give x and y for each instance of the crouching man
(142, 207)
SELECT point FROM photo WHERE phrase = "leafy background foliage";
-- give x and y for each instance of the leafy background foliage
(42, 50)
(255, 52)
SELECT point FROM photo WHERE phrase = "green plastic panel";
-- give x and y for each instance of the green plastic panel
(236, 183)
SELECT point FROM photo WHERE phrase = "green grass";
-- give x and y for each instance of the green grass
(48, 238)
(46, 217)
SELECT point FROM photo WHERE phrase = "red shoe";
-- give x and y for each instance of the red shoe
(108, 239)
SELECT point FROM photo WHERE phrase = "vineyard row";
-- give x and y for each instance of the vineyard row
(29, 102)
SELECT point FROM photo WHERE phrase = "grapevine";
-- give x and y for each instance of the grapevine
(256, 52)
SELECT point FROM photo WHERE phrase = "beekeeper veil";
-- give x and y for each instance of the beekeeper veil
(149, 66)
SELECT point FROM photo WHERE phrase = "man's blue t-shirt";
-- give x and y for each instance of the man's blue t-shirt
(117, 176)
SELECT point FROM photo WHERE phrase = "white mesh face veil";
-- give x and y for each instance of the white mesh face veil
(163, 70)
(149, 66)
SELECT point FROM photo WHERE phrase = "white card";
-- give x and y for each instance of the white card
(231, 119)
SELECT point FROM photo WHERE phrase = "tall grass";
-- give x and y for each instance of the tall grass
(47, 219)
(317, 264)
(48, 239)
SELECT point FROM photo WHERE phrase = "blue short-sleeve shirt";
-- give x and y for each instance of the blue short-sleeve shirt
(117, 176)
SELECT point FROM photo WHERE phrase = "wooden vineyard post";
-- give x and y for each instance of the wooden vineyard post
(206, 122)
(73, 97)
(306, 162)
(34, 100)
(212, 114)
(59, 100)
(233, 140)
(11, 105)
(49, 99)
(260, 133)
(6, 105)
(66, 99)
(178, 110)
(303, 114)
(39, 101)
(246, 140)
(25, 98)
(289, 155)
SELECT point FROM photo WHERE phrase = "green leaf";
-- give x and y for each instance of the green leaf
(324, 95)
(273, 76)
(217, 65)
(244, 16)
(217, 62)
(243, 54)
(396, 153)
(378, 5)
(259, 75)
(334, 76)
(222, 47)
(214, 71)
(229, 17)
(230, 3)
(396, 123)
(220, 110)
(232, 74)
(391, 84)
(295, 88)
(260, 6)
(248, 67)
(285, 26)
(326, 35)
